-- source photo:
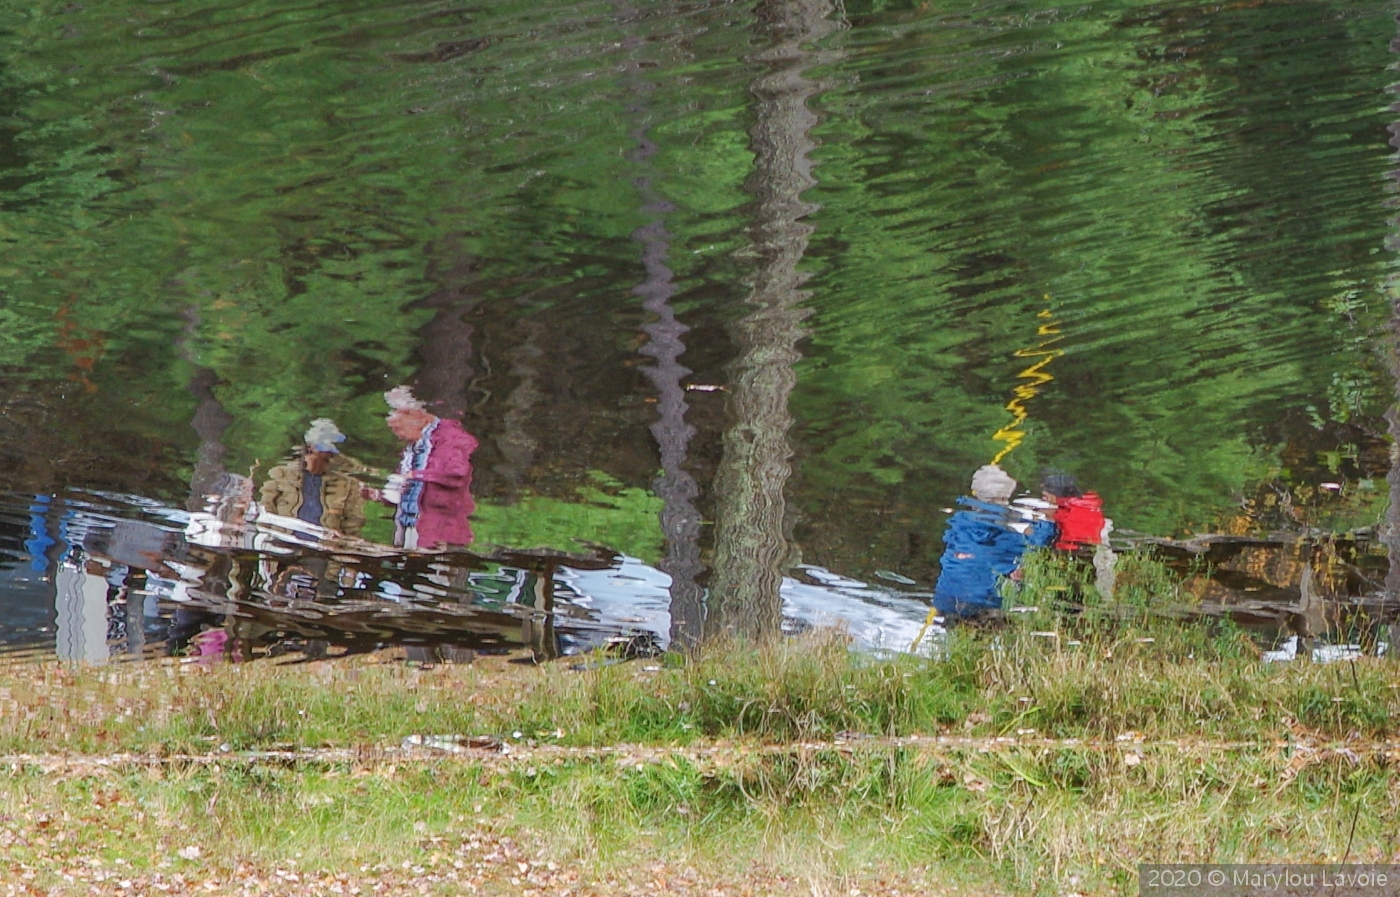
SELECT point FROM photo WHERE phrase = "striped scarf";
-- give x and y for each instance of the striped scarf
(415, 457)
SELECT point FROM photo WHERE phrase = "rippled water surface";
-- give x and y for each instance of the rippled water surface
(734, 296)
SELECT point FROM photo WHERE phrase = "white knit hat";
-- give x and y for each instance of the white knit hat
(991, 483)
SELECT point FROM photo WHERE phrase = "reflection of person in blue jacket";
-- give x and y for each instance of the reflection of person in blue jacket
(983, 543)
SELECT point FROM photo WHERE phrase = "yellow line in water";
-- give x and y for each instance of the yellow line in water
(1012, 434)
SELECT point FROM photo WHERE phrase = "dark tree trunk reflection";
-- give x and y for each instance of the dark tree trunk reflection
(210, 420)
(751, 545)
(445, 342)
(514, 442)
(680, 522)
(1391, 526)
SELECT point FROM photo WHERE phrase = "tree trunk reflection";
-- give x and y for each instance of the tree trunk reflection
(210, 420)
(680, 522)
(1390, 528)
(445, 342)
(751, 545)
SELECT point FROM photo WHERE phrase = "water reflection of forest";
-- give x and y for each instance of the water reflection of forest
(968, 165)
(767, 273)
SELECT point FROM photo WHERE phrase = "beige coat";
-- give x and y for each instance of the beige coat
(342, 507)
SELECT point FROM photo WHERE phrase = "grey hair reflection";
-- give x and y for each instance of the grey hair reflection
(401, 398)
(991, 483)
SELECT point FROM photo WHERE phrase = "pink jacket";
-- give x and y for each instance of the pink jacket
(447, 498)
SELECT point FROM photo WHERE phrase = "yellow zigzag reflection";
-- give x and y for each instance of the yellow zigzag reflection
(1012, 434)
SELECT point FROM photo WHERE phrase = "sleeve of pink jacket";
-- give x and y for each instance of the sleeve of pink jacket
(450, 463)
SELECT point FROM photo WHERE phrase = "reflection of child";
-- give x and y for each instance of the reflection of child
(1080, 521)
(985, 542)
(210, 644)
(1078, 515)
(228, 509)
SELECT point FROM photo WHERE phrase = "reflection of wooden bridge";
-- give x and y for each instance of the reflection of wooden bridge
(528, 620)
(1313, 583)
(276, 582)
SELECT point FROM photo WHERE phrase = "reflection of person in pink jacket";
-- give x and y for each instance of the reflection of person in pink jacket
(432, 488)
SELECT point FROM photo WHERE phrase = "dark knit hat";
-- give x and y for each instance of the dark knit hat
(1060, 485)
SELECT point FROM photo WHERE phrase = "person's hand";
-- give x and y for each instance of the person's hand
(369, 493)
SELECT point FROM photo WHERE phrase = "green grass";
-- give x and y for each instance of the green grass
(1025, 819)
(1127, 738)
(1163, 680)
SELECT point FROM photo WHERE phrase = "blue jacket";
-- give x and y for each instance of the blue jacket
(981, 547)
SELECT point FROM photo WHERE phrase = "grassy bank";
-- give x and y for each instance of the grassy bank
(1047, 756)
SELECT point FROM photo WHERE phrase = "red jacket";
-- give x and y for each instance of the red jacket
(447, 501)
(1079, 520)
